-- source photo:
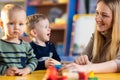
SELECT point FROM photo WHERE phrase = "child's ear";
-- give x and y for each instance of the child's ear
(1, 24)
(33, 33)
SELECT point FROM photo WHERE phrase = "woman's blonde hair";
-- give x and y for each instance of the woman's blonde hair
(31, 21)
(114, 6)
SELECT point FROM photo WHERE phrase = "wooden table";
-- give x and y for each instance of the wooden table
(108, 76)
(36, 75)
(39, 75)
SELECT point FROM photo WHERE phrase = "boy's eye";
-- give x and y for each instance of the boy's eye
(21, 24)
(45, 26)
(11, 23)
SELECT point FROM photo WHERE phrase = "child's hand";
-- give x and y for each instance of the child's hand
(49, 62)
(23, 72)
(56, 62)
(11, 71)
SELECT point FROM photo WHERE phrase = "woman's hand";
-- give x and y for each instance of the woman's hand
(76, 67)
(82, 60)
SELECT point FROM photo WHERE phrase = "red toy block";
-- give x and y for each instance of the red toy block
(51, 73)
(82, 76)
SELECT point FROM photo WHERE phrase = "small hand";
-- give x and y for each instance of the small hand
(11, 71)
(48, 62)
(23, 72)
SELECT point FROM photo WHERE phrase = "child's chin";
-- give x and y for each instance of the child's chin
(15, 36)
(47, 39)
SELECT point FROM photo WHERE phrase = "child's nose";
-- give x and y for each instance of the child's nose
(16, 26)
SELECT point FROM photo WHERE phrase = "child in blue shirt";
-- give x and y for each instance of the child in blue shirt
(38, 28)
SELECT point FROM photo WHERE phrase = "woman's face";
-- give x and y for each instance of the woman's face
(103, 17)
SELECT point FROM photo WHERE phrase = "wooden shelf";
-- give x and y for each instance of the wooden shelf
(6, 1)
(52, 4)
(38, 4)
(58, 26)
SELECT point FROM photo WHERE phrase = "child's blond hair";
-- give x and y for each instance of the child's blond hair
(31, 21)
(9, 9)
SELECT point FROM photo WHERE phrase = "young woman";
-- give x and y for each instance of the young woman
(102, 54)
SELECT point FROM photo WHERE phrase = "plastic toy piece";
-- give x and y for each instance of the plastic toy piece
(57, 66)
(62, 78)
(51, 73)
(82, 76)
(91, 74)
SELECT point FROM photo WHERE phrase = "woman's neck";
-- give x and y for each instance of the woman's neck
(107, 33)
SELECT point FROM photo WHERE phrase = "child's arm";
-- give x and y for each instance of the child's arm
(31, 59)
(39, 67)
(3, 68)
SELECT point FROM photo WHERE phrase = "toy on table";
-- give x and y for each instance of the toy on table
(57, 63)
(52, 74)
(91, 76)
(82, 76)
(58, 66)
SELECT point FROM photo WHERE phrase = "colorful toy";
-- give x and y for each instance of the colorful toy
(91, 76)
(53, 74)
(58, 66)
(82, 76)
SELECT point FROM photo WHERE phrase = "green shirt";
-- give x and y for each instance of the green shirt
(17, 55)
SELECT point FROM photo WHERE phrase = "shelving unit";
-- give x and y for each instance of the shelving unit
(58, 33)
(44, 8)
(3, 2)
(58, 26)
(57, 36)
